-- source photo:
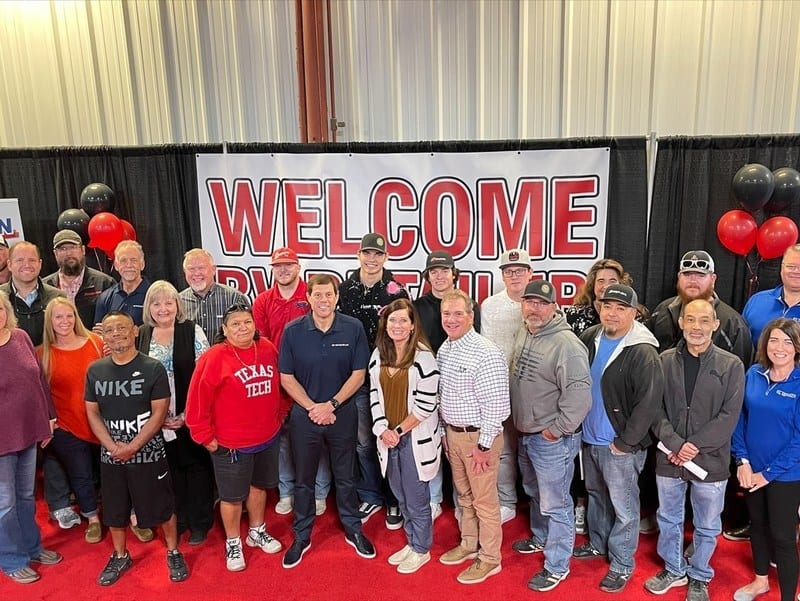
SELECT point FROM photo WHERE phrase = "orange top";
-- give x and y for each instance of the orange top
(67, 384)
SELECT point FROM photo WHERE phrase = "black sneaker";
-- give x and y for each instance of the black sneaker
(366, 511)
(663, 581)
(740, 534)
(294, 555)
(527, 545)
(546, 581)
(178, 572)
(698, 590)
(361, 544)
(586, 551)
(614, 582)
(394, 519)
(115, 568)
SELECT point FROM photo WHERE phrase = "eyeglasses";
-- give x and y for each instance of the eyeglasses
(66, 248)
(700, 264)
(514, 273)
(790, 267)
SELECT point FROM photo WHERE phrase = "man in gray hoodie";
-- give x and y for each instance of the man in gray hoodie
(550, 391)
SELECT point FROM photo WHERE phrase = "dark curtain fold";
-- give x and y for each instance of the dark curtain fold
(156, 190)
(691, 191)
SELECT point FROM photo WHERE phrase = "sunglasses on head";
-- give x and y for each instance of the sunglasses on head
(236, 308)
(700, 264)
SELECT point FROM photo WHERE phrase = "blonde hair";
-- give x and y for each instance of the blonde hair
(49, 334)
(167, 290)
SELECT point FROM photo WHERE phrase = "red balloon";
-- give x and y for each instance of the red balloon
(737, 231)
(776, 235)
(128, 232)
(105, 232)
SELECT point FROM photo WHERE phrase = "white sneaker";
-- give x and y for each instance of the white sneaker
(507, 514)
(234, 558)
(436, 511)
(580, 519)
(284, 505)
(320, 506)
(397, 558)
(262, 540)
(413, 562)
(66, 517)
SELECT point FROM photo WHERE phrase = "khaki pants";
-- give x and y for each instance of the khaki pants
(477, 495)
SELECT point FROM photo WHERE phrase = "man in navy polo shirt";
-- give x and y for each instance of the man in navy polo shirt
(128, 294)
(323, 362)
(781, 301)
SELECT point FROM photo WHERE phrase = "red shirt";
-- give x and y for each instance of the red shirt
(272, 312)
(235, 396)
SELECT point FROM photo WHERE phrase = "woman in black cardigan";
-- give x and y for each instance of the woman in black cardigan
(177, 342)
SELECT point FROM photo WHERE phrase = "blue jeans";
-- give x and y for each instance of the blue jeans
(413, 495)
(613, 512)
(75, 456)
(547, 469)
(707, 500)
(19, 535)
(322, 486)
(370, 483)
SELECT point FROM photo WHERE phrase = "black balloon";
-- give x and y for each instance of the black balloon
(97, 198)
(76, 220)
(787, 190)
(752, 186)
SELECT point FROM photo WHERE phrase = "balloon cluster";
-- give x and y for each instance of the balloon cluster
(757, 188)
(95, 221)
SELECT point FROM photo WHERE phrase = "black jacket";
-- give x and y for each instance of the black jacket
(92, 286)
(708, 419)
(733, 335)
(31, 319)
(632, 385)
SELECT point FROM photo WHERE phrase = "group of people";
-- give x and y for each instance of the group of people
(196, 395)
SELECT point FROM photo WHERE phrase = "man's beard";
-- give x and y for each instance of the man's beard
(706, 295)
(72, 269)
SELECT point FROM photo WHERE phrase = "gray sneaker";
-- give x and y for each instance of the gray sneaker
(66, 517)
(663, 581)
(527, 545)
(698, 590)
(546, 581)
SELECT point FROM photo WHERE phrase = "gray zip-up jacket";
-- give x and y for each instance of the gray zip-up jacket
(550, 384)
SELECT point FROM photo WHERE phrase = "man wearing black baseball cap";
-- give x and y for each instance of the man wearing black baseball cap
(627, 389)
(362, 295)
(550, 395)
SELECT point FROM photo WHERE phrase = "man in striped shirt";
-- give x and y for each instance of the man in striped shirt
(473, 392)
(205, 300)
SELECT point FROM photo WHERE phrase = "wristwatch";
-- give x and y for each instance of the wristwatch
(740, 461)
(399, 430)
(482, 448)
(334, 403)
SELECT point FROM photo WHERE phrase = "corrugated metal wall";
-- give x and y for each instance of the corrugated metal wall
(80, 72)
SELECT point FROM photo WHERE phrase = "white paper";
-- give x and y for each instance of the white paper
(689, 465)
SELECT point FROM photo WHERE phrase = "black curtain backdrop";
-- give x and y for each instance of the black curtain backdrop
(156, 190)
(691, 191)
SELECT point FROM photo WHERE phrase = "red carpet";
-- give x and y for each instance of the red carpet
(331, 570)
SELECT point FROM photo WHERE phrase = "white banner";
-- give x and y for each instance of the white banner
(10, 221)
(473, 205)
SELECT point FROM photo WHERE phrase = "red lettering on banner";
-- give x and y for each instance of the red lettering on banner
(511, 223)
(567, 217)
(235, 277)
(402, 194)
(567, 284)
(299, 218)
(335, 201)
(436, 193)
(245, 218)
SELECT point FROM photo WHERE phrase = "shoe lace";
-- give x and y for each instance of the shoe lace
(175, 560)
(233, 551)
(261, 537)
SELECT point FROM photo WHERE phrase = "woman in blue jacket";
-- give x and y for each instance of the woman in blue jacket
(766, 446)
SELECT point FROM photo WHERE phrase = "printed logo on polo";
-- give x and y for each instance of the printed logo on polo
(788, 395)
